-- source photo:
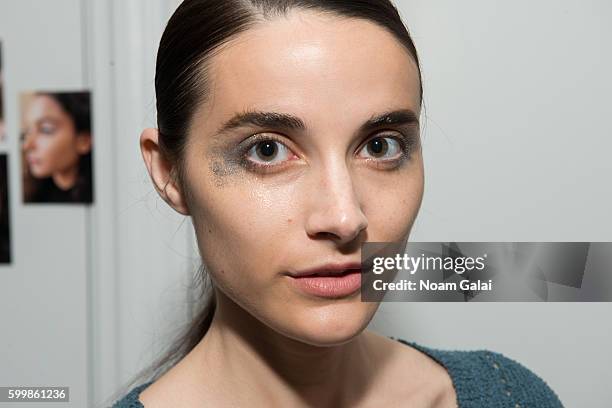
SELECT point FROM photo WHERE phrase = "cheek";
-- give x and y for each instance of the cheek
(45, 146)
(242, 235)
(240, 229)
(50, 147)
(392, 203)
(60, 150)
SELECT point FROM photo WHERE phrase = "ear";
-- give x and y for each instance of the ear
(83, 143)
(161, 171)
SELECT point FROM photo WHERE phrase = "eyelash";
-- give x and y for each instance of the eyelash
(47, 130)
(407, 144)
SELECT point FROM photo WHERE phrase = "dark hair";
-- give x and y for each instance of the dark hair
(5, 241)
(77, 105)
(193, 34)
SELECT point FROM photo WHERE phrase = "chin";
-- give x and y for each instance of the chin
(39, 173)
(331, 324)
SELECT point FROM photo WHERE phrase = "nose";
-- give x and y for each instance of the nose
(28, 141)
(335, 209)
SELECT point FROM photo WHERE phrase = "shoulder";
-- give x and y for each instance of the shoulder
(130, 400)
(520, 380)
(484, 378)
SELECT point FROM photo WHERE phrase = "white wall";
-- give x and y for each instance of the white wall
(43, 293)
(516, 144)
(143, 256)
(82, 302)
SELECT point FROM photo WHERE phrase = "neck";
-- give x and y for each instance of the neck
(66, 179)
(290, 372)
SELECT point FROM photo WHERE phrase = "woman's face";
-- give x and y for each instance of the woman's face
(51, 143)
(308, 183)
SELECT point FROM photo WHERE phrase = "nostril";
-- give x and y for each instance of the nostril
(327, 235)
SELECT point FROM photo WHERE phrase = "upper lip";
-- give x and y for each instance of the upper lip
(328, 269)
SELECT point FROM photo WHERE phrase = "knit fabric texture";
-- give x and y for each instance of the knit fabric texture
(481, 378)
(484, 378)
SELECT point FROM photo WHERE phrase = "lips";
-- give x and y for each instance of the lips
(337, 269)
(32, 160)
(331, 273)
(328, 283)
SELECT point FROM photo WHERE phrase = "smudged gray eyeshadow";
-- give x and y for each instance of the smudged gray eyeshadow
(225, 163)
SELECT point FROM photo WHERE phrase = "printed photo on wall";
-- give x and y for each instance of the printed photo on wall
(2, 125)
(5, 233)
(56, 146)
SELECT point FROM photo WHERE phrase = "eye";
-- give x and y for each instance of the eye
(47, 128)
(386, 148)
(268, 152)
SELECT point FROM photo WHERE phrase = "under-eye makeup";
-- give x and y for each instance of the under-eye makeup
(232, 159)
(223, 166)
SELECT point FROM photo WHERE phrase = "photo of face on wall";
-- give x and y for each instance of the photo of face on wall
(2, 126)
(56, 145)
(5, 236)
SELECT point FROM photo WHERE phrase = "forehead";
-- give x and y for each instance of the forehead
(43, 106)
(318, 66)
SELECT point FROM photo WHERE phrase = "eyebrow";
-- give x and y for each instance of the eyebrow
(400, 117)
(47, 119)
(263, 120)
(289, 122)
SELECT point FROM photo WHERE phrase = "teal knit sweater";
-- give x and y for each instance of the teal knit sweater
(482, 379)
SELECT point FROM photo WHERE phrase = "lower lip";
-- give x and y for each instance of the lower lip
(329, 286)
